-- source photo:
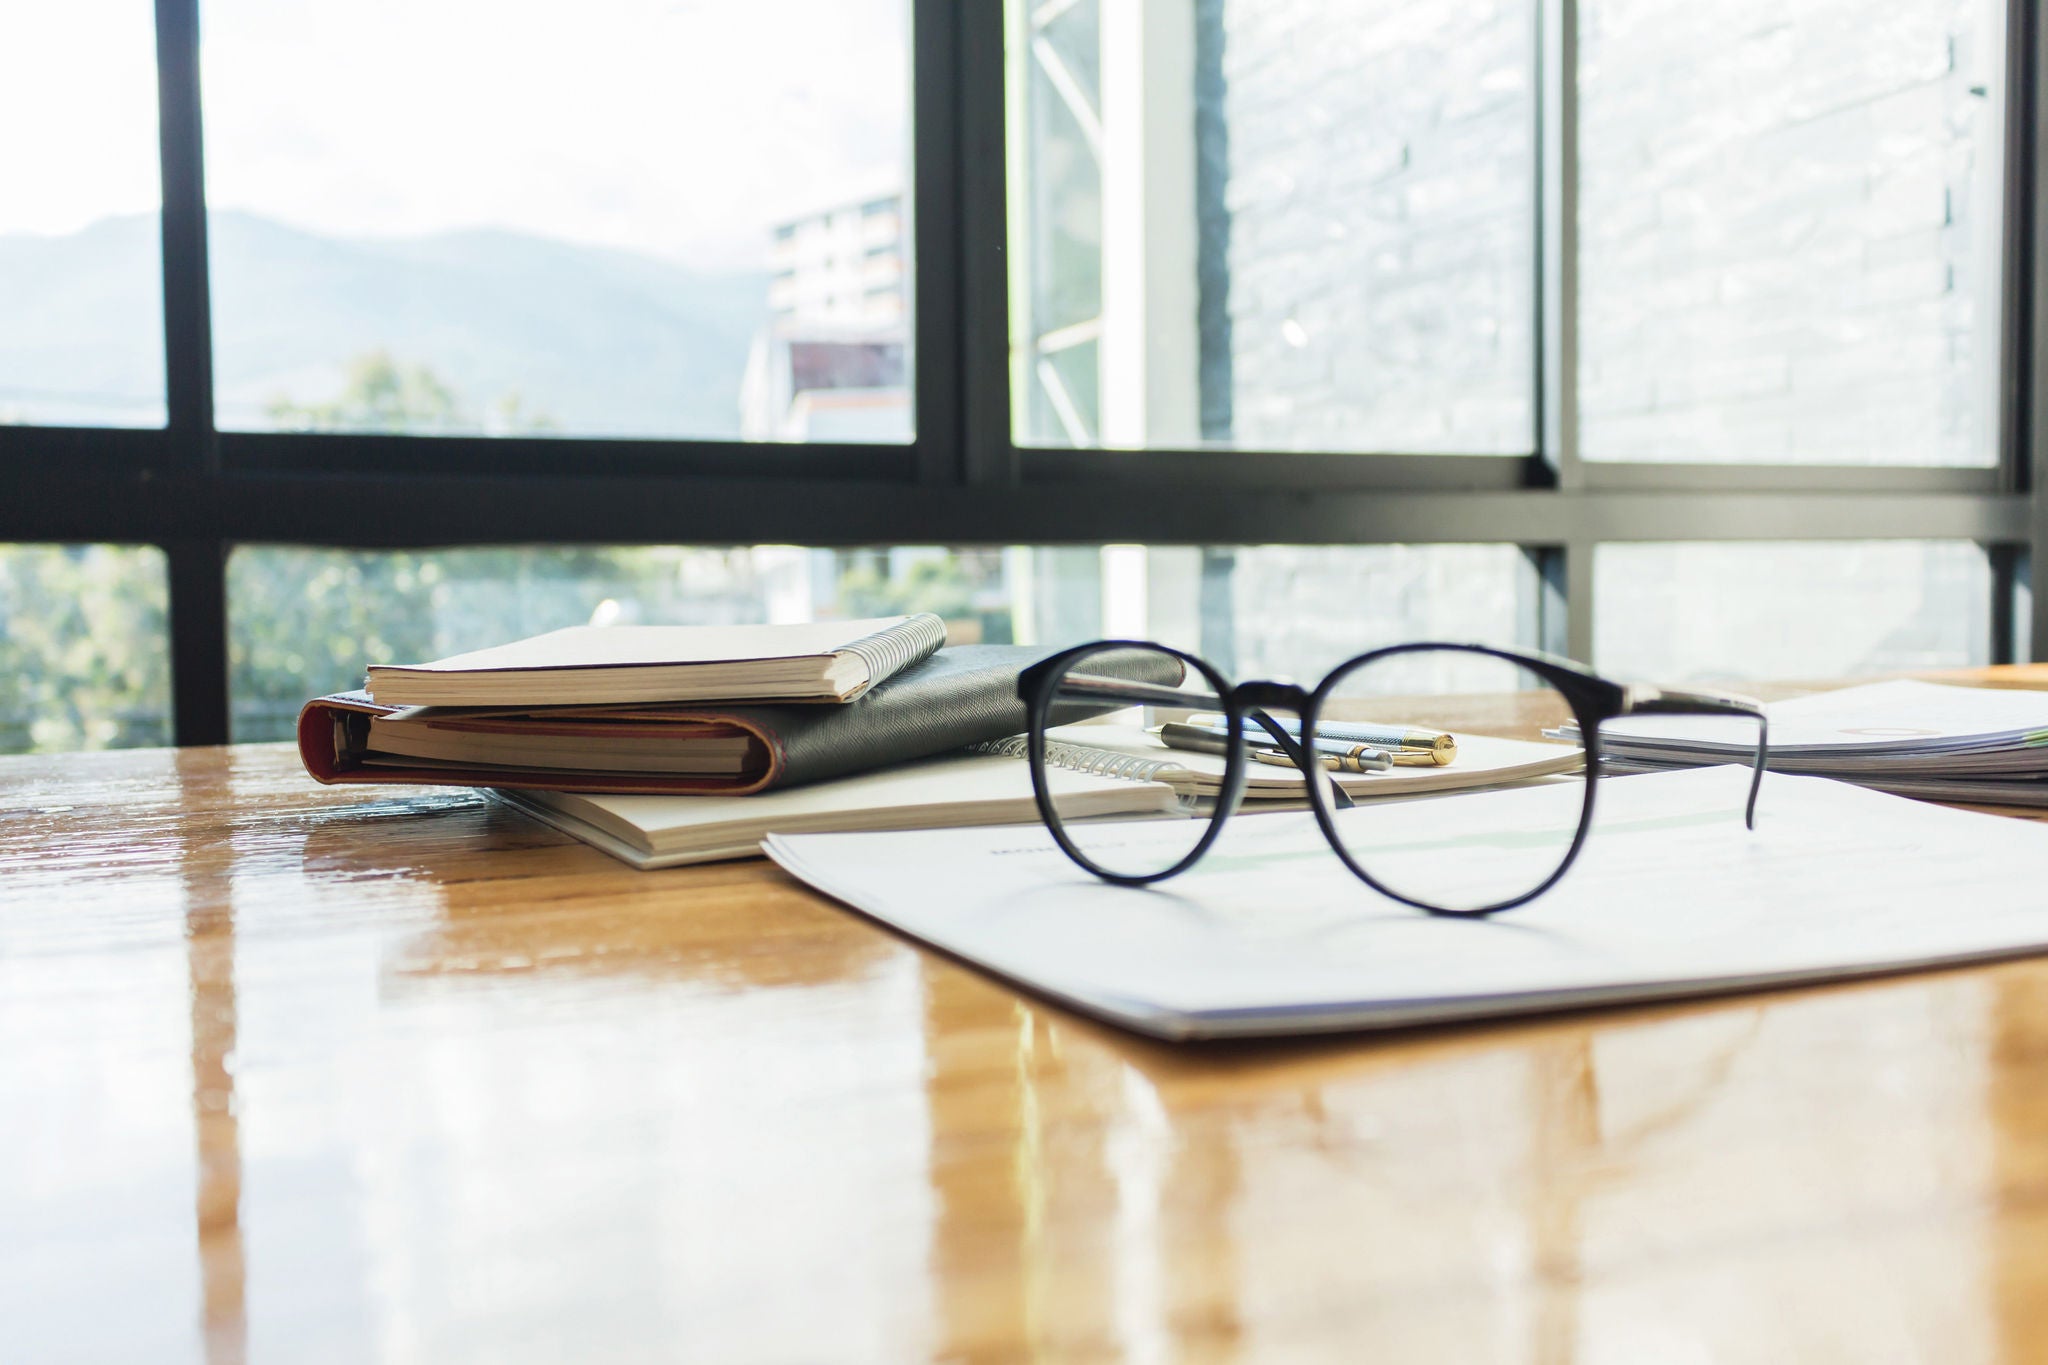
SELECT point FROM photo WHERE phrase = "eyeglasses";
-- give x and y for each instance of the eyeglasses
(1408, 706)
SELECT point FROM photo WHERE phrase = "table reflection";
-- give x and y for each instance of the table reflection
(464, 1098)
(216, 1121)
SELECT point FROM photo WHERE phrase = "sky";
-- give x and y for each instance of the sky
(679, 128)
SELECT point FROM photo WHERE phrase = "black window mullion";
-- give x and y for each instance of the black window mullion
(2007, 562)
(197, 567)
(2025, 458)
(1557, 241)
(937, 246)
(188, 336)
(198, 625)
(2018, 177)
(980, 107)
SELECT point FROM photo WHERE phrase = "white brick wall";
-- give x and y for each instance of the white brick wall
(1784, 214)
(1780, 214)
(1381, 159)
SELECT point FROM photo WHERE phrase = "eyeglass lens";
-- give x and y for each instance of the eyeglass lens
(1103, 774)
(1440, 715)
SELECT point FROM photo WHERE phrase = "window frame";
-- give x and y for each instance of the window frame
(196, 491)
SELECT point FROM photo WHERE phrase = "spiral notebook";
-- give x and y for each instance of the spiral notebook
(953, 791)
(1099, 771)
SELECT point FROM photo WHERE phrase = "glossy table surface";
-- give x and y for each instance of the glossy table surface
(303, 1074)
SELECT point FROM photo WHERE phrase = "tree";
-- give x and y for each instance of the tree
(381, 393)
(84, 658)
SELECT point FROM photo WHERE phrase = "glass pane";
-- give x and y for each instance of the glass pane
(304, 622)
(1699, 612)
(85, 662)
(1273, 226)
(81, 256)
(1299, 611)
(1789, 231)
(656, 220)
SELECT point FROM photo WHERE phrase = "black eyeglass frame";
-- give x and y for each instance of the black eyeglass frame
(1593, 700)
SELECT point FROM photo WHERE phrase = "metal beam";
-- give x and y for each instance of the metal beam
(188, 335)
(348, 454)
(937, 239)
(979, 92)
(420, 510)
(1557, 239)
(197, 568)
(2006, 562)
(198, 625)
(2026, 181)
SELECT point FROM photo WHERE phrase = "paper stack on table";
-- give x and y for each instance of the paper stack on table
(1910, 738)
(1271, 934)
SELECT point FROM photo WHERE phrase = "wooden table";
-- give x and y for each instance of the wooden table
(304, 1074)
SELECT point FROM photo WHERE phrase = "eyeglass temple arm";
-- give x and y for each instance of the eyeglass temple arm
(1095, 687)
(1297, 753)
(1638, 700)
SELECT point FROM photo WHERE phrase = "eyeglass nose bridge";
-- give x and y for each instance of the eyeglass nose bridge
(1266, 695)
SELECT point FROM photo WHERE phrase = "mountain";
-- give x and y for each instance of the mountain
(603, 342)
(81, 326)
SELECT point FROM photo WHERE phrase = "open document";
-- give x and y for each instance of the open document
(1271, 934)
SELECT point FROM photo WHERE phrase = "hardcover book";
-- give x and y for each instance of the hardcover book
(829, 661)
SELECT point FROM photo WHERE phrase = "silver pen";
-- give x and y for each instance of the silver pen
(1336, 755)
(1359, 759)
(1412, 747)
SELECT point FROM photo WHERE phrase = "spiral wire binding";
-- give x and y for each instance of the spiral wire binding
(1080, 758)
(888, 652)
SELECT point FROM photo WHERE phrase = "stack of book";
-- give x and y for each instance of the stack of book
(678, 744)
(667, 744)
(1969, 744)
(700, 709)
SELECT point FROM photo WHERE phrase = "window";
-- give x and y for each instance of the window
(1722, 613)
(473, 217)
(1278, 330)
(81, 260)
(1274, 226)
(307, 622)
(84, 660)
(1788, 232)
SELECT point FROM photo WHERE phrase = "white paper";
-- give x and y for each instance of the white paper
(1891, 718)
(1270, 933)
